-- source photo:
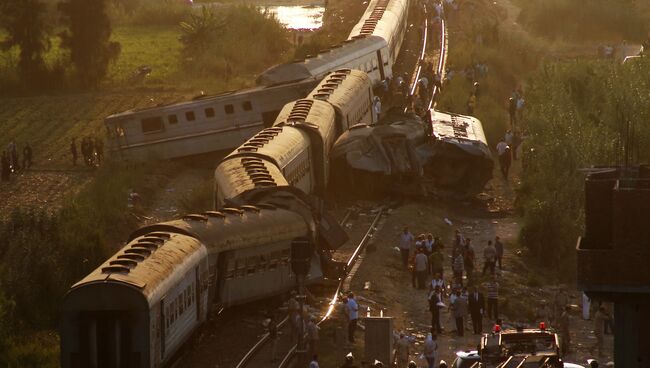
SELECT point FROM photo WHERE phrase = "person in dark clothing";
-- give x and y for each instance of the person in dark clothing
(27, 156)
(99, 149)
(476, 308)
(505, 162)
(512, 111)
(73, 151)
(5, 166)
(435, 300)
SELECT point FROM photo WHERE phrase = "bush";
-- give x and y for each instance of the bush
(149, 12)
(579, 113)
(230, 41)
(579, 20)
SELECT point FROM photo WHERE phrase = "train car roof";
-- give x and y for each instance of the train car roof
(338, 86)
(457, 128)
(380, 19)
(316, 114)
(238, 228)
(203, 100)
(323, 62)
(237, 175)
(148, 261)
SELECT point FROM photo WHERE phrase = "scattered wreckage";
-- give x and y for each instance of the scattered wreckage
(448, 150)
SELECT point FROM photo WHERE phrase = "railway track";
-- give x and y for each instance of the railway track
(260, 354)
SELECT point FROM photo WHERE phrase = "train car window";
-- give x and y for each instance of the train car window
(374, 64)
(263, 262)
(151, 125)
(181, 304)
(209, 112)
(172, 119)
(247, 106)
(251, 265)
(229, 109)
(230, 269)
(286, 254)
(240, 268)
(190, 116)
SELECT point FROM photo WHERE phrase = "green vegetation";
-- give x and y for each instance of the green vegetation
(586, 20)
(87, 39)
(579, 114)
(509, 59)
(43, 254)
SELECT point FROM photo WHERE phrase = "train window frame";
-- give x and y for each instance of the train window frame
(181, 304)
(190, 116)
(229, 109)
(247, 105)
(153, 124)
(230, 269)
(240, 268)
(263, 262)
(209, 112)
(172, 119)
(251, 265)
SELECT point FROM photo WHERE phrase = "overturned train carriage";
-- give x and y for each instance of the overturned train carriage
(137, 308)
(451, 152)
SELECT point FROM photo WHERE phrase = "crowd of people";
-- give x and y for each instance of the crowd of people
(10, 161)
(92, 150)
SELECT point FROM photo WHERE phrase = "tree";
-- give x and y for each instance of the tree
(88, 39)
(24, 22)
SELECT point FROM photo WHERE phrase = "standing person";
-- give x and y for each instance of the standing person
(599, 330)
(489, 258)
(458, 268)
(459, 239)
(376, 108)
(476, 308)
(27, 156)
(312, 336)
(503, 150)
(565, 334)
(272, 328)
(471, 104)
(498, 247)
(431, 349)
(73, 151)
(469, 259)
(353, 316)
(13, 156)
(405, 241)
(436, 260)
(435, 305)
(460, 311)
(293, 311)
(402, 351)
(492, 288)
(5, 166)
(428, 244)
(421, 268)
(99, 148)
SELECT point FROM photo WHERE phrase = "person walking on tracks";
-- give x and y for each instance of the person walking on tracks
(489, 258)
(505, 158)
(431, 349)
(402, 351)
(435, 305)
(353, 316)
(492, 287)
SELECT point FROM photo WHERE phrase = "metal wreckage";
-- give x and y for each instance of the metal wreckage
(444, 151)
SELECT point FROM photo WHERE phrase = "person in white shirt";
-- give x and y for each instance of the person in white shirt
(376, 109)
(405, 241)
(353, 316)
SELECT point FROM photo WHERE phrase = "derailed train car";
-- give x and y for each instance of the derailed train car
(215, 123)
(452, 152)
(295, 151)
(137, 308)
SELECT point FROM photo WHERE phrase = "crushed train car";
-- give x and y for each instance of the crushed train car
(450, 151)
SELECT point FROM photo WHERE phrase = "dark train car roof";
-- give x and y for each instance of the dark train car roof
(321, 63)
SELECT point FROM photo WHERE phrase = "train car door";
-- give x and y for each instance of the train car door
(381, 65)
